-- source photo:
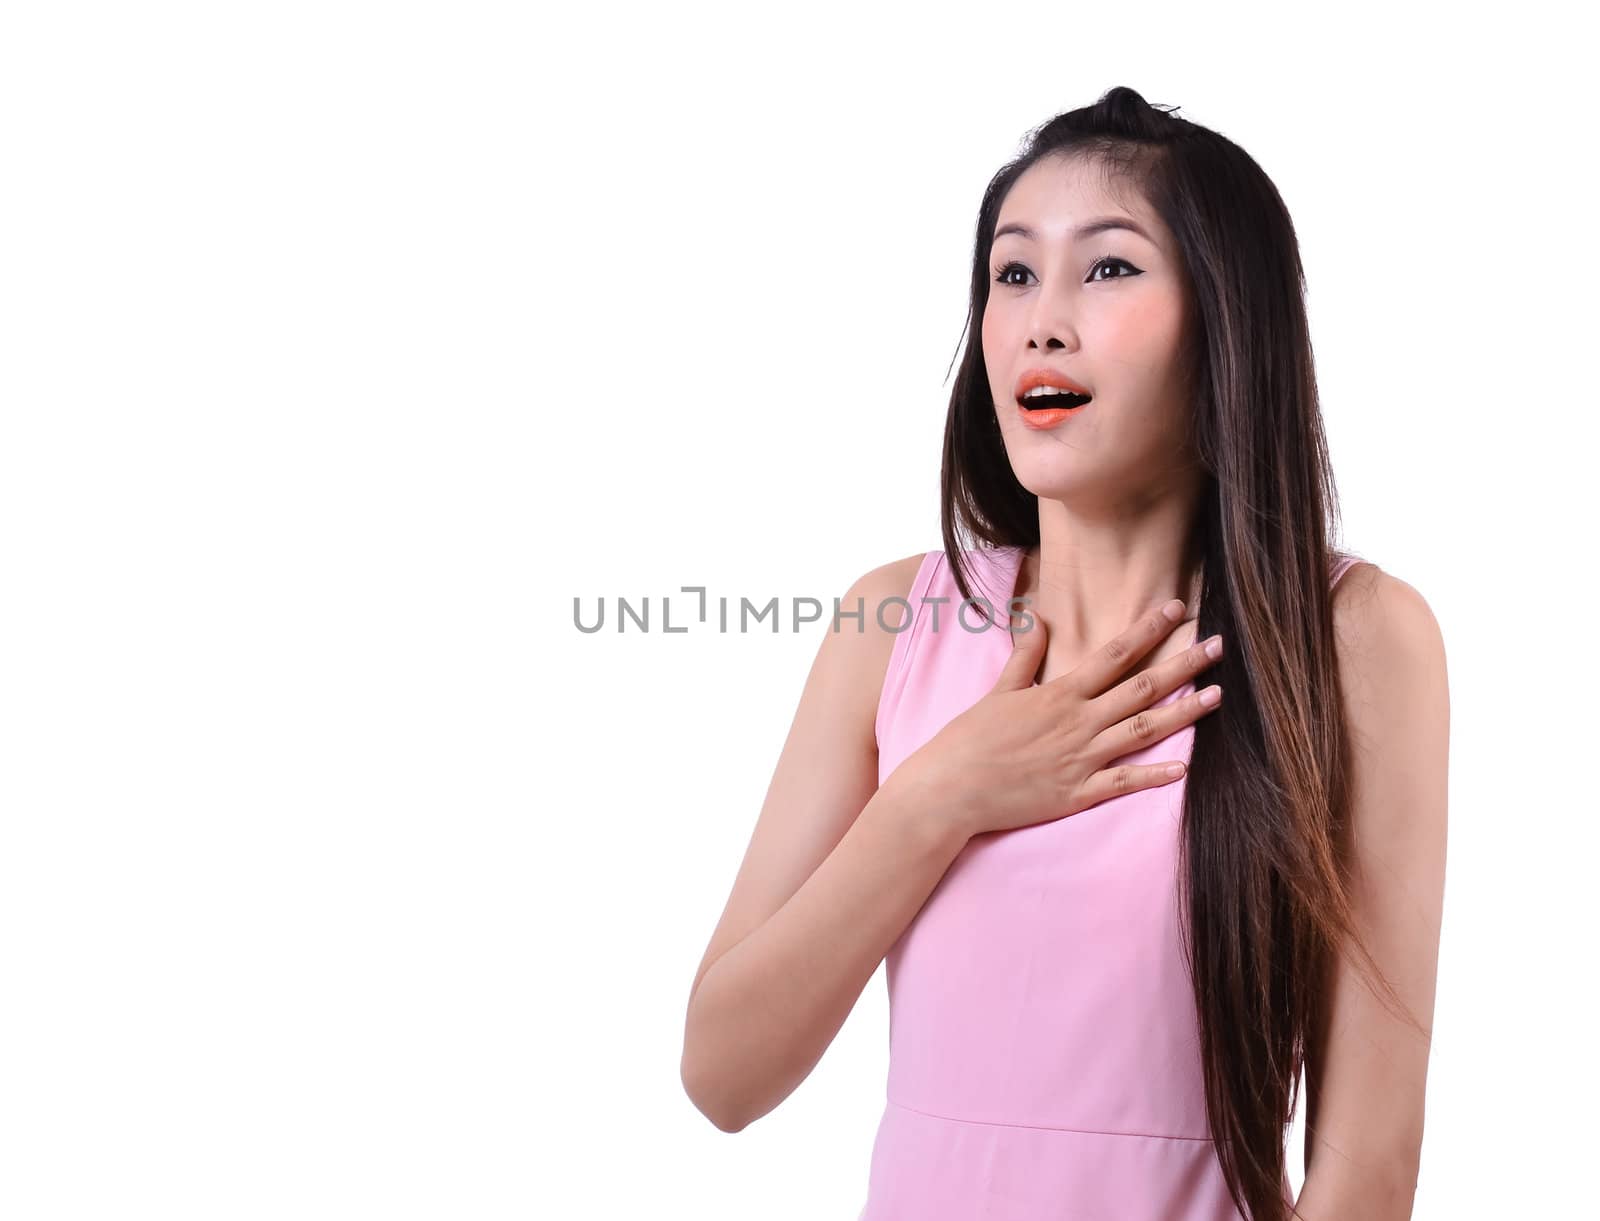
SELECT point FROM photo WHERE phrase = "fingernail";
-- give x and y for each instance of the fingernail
(1211, 696)
(1173, 610)
(1214, 647)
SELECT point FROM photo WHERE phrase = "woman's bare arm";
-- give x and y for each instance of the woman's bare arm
(1366, 1078)
(835, 871)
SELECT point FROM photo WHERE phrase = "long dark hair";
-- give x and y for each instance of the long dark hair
(1266, 902)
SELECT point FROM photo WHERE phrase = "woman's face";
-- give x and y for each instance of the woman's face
(1106, 309)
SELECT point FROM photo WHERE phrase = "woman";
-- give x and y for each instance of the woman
(1106, 978)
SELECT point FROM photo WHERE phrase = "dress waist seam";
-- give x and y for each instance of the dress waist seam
(992, 1123)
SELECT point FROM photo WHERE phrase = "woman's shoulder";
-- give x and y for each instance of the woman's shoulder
(859, 638)
(1367, 595)
(884, 593)
(1384, 627)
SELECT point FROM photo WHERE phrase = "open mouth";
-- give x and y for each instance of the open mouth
(1051, 401)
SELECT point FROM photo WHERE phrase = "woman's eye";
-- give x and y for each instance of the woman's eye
(1000, 276)
(1108, 261)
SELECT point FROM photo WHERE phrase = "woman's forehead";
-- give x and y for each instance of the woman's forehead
(1058, 199)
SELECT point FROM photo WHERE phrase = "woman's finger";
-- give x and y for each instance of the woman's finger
(1027, 655)
(1151, 725)
(1126, 778)
(1147, 686)
(1111, 660)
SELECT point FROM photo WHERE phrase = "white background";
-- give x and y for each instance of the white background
(345, 345)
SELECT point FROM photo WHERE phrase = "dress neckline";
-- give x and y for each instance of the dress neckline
(1010, 570)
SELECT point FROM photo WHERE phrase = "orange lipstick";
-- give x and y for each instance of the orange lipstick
(1047, 414)
(1043, 418)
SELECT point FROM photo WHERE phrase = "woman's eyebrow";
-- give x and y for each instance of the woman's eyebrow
(1088, 229)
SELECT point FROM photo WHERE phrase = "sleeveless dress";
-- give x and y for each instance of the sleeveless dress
(1044, 1055)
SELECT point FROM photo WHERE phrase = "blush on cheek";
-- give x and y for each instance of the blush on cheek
(1143, 336)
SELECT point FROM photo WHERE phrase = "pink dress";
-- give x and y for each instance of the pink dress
(1043, 1041)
